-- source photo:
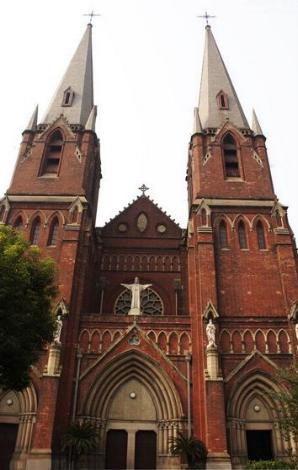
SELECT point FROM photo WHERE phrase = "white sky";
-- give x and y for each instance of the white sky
(147, 64)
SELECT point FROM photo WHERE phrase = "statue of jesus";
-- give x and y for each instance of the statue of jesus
(136, 288)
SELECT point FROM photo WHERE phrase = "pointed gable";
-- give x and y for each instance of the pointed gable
(142, 219)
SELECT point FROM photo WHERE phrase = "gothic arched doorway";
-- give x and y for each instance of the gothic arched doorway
(253, 422)
(137, 410)
(17, 415)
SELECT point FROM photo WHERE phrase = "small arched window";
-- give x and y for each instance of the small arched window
(222, 100)
(230, 157)
(35, 231)
(53, 235)
(261, 236)
(18, 225)
(68, 97)
(223, 236)
(53, 154)
(242, 235)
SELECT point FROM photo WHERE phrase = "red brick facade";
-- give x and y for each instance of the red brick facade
(235, 264)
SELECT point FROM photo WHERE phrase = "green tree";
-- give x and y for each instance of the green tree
(287, 398)
(190, 448)
(27, 287)
(80, 439)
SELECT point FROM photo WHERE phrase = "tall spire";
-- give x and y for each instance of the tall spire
(218, 100)
(74, 95)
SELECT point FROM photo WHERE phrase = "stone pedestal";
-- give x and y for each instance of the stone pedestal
(212, 362)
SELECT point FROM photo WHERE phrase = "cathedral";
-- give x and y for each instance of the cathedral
(161, 329)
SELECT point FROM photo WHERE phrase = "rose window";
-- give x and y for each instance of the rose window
(151, 303)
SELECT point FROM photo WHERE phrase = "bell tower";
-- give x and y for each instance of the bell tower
(52, 198)
(241, 263)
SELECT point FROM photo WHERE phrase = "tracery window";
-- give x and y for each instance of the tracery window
(151, 302)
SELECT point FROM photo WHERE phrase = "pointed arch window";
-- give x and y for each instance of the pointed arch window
(18, 225)
(35, 231)
(231, 162)
(53, 154)
(223, 236)
(222, 100)
(53, 235)
(242, 235)
(261, 236)
(68, 97)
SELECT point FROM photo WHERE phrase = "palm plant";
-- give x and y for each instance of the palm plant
(79, 439)
(191, 448)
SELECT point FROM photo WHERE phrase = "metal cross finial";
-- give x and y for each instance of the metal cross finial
(92, 14)
(206, 16)
(143, 188)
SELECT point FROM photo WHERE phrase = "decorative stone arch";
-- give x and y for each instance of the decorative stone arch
(136, 368)
(39, 213)
(21, 213)
(61, 308)
(75, 211)
(253, 391)
(239, 218)
(57, 214)
(225, 218)
(21, 411)
(282, 332)
(262, 219)
(210, 312)
(204, 207)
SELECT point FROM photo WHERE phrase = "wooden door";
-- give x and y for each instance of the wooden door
(145, 450)
(116, 449)
(8, 436)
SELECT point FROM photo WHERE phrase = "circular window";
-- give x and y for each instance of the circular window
(161, 228)
(151, 303)
(122, 228)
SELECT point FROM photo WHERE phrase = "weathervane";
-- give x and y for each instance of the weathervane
(143, 188)
(92, 14)
(206, 16)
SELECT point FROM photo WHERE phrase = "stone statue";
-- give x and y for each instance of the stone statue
(210, 331)
(59, 325)
(136, 288)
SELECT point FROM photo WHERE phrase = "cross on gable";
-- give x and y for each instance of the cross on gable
(143, 188)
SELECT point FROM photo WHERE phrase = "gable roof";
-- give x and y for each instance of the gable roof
(142, 218)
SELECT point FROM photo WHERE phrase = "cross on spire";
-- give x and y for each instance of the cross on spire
(206, 16)
(143, 188)
(91, 14)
